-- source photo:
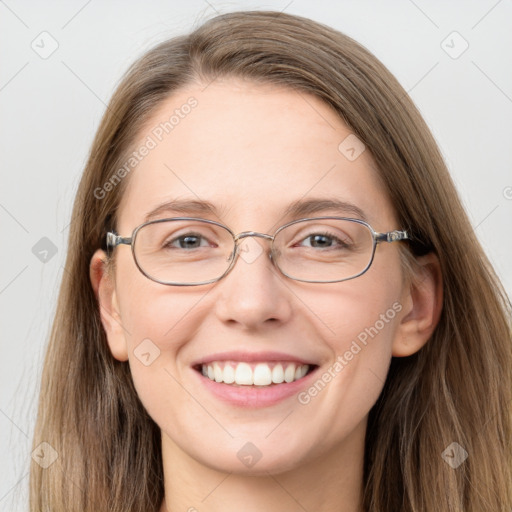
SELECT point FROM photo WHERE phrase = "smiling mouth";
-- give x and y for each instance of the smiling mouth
(254, 374)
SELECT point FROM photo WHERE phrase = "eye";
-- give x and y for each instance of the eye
(322, 241)
(188, 241)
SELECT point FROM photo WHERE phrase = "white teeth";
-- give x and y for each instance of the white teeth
(289, 373)
(229, 374)
(262, 374)
(217, 372)
(278, 374)
(243, 375)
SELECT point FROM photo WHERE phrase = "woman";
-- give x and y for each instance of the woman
(305, 319)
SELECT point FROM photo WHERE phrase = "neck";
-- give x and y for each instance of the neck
(332, 482)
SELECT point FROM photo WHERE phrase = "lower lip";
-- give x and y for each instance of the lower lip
(255, 396)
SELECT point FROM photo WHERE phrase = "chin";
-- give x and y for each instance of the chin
(252, 459)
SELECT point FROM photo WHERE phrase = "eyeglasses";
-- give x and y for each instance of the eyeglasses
(186, 251)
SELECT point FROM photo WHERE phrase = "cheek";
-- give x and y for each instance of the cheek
(363, 351)
(359, 320)
(360, 310)
(149, 310)
(158, 323)
(362, 328)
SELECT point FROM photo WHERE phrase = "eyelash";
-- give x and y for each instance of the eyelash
(334, 238)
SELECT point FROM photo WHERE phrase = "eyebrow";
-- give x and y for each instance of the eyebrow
(305, 208)
(297, 209)
(187, 207)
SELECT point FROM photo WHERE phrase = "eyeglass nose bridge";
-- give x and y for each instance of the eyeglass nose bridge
(246, 234)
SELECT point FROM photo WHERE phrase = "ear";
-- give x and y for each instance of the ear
(105, 291)
(422, 303)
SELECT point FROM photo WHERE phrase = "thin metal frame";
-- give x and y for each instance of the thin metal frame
(113, 240)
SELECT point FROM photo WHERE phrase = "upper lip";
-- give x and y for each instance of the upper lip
(251, 357)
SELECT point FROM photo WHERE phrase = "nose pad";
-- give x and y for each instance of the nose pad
(248, 248)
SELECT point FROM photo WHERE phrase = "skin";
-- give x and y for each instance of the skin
(251, 150)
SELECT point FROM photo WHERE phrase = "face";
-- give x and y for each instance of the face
(251, 151)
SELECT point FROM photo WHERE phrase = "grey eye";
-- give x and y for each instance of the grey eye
(189, 241)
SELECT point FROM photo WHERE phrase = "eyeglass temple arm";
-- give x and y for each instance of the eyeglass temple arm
(391, 236)
(113, 240)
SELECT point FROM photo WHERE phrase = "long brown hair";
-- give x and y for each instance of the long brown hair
(458, 388)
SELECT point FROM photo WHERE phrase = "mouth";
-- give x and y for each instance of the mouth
(260, 374)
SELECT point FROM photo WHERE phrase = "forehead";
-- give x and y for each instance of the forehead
(250, 151)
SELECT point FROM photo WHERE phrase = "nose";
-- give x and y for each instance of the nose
(253, 294)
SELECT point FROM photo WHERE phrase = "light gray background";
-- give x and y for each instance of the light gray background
(50, 109)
